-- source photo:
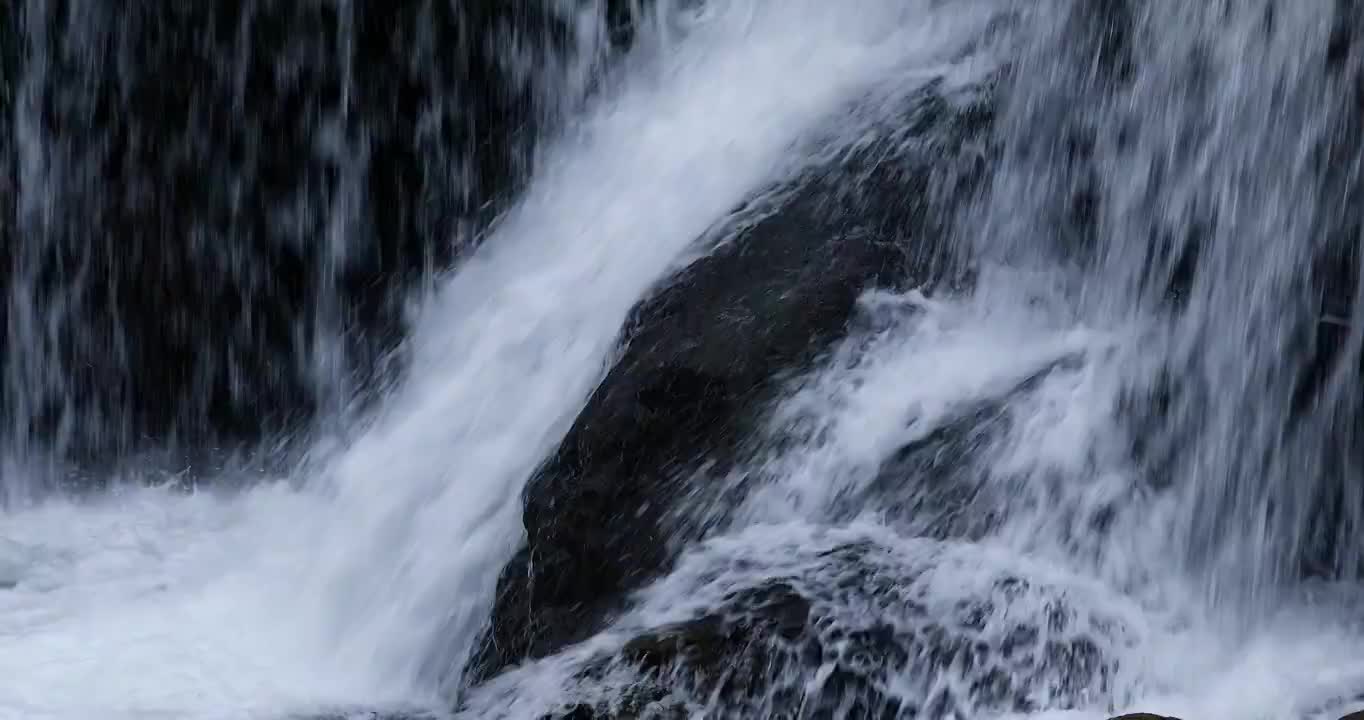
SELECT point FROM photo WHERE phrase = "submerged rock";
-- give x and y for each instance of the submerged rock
(360, 714)
(843, 626)
(705, 354)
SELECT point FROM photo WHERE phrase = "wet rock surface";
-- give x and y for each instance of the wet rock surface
(705, 354)
(858, 630)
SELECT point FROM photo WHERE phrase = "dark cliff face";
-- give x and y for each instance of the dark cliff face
(216, 212)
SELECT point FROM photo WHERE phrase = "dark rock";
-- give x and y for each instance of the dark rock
(704, 356)
(846, 633)
(632, 709)
(229, 193)
(775, 611)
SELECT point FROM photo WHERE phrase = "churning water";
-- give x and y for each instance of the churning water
(1116, 472)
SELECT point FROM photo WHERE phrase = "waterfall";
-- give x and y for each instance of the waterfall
(719, 358)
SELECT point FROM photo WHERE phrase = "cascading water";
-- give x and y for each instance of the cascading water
(1098, 478)
(1202, 156)
(1102, 456)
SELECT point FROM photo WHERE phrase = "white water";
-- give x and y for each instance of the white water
(1168, 653)
(1051, 473)
(362, 583)
(367, 586)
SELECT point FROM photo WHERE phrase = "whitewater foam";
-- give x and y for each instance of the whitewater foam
(370, 584)
(365, 580)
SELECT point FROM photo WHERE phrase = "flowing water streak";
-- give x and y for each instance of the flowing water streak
(142, 230)
(218, 211)
(1191, 175)
(24, 322)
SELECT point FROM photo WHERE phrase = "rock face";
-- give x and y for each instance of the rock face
(221, 209)
(705, 354)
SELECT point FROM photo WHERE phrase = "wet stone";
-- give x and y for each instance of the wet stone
(791, 647)
(705, 356)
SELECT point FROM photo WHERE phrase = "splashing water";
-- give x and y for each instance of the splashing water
(1093, 481)
(1116, 414)
(369, 585)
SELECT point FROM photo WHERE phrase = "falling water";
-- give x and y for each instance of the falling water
(215, 257)
(376, 584)
(1209, 179)
(1112, 465)
(1096, 481)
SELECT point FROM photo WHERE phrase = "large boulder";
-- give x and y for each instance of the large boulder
(704, 355)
